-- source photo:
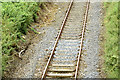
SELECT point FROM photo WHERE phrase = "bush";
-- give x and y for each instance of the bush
(16, 17)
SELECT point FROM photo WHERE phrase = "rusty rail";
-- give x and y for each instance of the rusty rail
(52, 53)
(83, 31)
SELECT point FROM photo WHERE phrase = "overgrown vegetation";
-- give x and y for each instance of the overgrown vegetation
(111, 45)
(16, 17)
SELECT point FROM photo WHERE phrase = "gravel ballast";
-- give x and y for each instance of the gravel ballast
(35, 57)
(91, 46)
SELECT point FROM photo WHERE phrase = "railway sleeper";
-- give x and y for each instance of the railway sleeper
(74, 23)
(69, 54)
(64, 62)
(71, 33)
(61, 69)
(70, 67)
(64, 47)
(65, 56)
(72, 41)
(73, 38)
(54, 74)
(63, 65)
(75, 49)
(64, 42)
(69, 46)
(63, 59)
(71, 29)
(66, 52)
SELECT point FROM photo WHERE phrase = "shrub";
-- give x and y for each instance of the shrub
(16, 17)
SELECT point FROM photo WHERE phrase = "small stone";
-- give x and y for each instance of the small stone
(35, 74)
(46, 50)
(59, 8)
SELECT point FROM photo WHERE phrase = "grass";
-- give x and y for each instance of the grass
(111, 35)
(16, 17)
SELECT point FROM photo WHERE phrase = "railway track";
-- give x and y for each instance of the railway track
(64, 59)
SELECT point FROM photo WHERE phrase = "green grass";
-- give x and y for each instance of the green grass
(16, 17)
(111, 35)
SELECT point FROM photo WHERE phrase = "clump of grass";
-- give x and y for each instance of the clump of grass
(111, 44)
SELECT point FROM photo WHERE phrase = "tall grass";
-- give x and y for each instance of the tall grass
(0, 43)
(111, 44)
(16, 17)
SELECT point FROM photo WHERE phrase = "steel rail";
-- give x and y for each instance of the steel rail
(52, 53)
(83, 31)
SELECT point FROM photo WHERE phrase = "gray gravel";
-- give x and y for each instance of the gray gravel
(36, 56)
(34, 59)
(68, 45)
(47, 43)
(91, 42)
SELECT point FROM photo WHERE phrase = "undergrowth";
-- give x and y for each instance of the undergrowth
(111, 44)
(16, 17)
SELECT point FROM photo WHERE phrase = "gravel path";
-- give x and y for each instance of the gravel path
(91, 46)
